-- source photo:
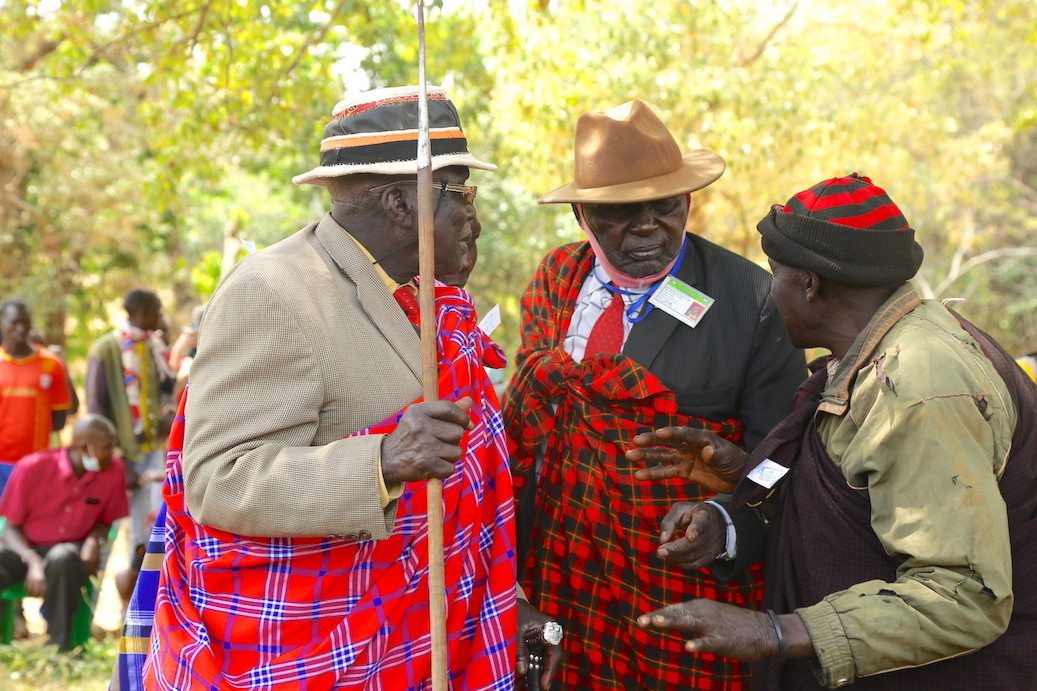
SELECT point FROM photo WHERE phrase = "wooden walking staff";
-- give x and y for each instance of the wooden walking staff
(429, 367)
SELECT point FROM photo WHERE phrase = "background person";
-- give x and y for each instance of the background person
(127, 376)
(35, 391)
(39, 340)
(59, 506)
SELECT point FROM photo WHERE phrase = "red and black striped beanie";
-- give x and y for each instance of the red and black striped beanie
(844, 229)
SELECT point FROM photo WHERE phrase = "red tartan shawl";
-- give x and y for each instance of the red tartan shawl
(595, 531)
(317, 613)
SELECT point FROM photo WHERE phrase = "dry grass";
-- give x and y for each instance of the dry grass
(32, 665)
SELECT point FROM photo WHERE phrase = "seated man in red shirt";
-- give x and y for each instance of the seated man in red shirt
(55, 529)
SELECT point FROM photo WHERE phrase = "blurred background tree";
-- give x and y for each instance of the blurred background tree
(145, 142)
(139, 140)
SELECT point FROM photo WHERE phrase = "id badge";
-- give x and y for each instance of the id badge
(491, 320)
(679, 300)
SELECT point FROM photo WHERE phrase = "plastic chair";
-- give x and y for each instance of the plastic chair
(81, 620)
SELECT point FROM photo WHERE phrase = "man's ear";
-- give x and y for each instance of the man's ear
(811, 283)
(398, 206)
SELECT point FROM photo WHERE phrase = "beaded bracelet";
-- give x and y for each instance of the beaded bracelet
(781, 639)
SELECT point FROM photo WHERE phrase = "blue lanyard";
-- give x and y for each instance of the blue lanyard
(631, 311)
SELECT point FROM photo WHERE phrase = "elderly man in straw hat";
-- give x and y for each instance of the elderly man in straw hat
(898, 501)
(296, 552)
(640, 327)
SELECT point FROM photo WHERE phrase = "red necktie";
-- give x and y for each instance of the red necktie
(408, 300)
(607, 333)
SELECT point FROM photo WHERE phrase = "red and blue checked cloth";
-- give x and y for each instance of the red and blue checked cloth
(593, 564)
(321, 613)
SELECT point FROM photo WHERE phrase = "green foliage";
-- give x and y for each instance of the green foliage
(930, 99)
(205, 275)
(140, 140)
(30, 664)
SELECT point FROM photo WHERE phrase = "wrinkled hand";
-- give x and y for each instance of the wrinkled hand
(529, 617)
(426, 442)
(705, 535)
(691, 454)
(718, 628)
(36, 580)
(90, 553)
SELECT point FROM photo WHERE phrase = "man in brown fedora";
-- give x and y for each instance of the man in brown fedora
(296, 550)
(640, 326)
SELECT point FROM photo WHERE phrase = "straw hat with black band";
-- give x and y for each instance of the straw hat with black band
(377, 132)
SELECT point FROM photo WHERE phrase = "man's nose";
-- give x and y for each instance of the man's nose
(643, 221)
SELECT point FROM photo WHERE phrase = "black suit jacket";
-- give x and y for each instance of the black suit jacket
(738, 361)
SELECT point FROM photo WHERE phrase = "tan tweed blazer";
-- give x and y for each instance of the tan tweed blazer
(301, 345)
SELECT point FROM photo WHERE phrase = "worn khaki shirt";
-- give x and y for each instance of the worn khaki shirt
(916, 417)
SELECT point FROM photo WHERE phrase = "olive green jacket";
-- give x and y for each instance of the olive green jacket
(899, 419)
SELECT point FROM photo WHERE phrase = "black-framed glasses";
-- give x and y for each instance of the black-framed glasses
(467, 191)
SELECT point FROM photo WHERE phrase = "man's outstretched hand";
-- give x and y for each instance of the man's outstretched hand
(691, 454)
(732, 631)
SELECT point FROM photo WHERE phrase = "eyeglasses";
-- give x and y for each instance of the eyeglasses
(468, 191)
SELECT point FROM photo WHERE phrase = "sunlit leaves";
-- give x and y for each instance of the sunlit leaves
(131, 131)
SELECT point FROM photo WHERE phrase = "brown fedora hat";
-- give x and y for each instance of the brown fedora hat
(626, 155)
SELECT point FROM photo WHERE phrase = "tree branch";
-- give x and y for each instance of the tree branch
(198, 27)
(319, 38)
(925, 288)
(133, 32)
(982, 259)
(45, 49)
(1028, 192)
(96, 55)
(762, 46)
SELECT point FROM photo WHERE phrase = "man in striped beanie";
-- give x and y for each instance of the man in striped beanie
(896, 508)
(295, 530)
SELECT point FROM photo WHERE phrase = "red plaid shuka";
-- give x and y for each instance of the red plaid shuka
(595, 531)
(237, 612)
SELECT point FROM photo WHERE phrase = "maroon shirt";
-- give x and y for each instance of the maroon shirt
(52, 505)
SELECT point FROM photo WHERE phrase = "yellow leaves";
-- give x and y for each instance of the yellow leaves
(154, 102)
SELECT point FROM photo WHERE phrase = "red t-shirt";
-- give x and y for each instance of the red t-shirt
(52, 505)
(30, 388)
